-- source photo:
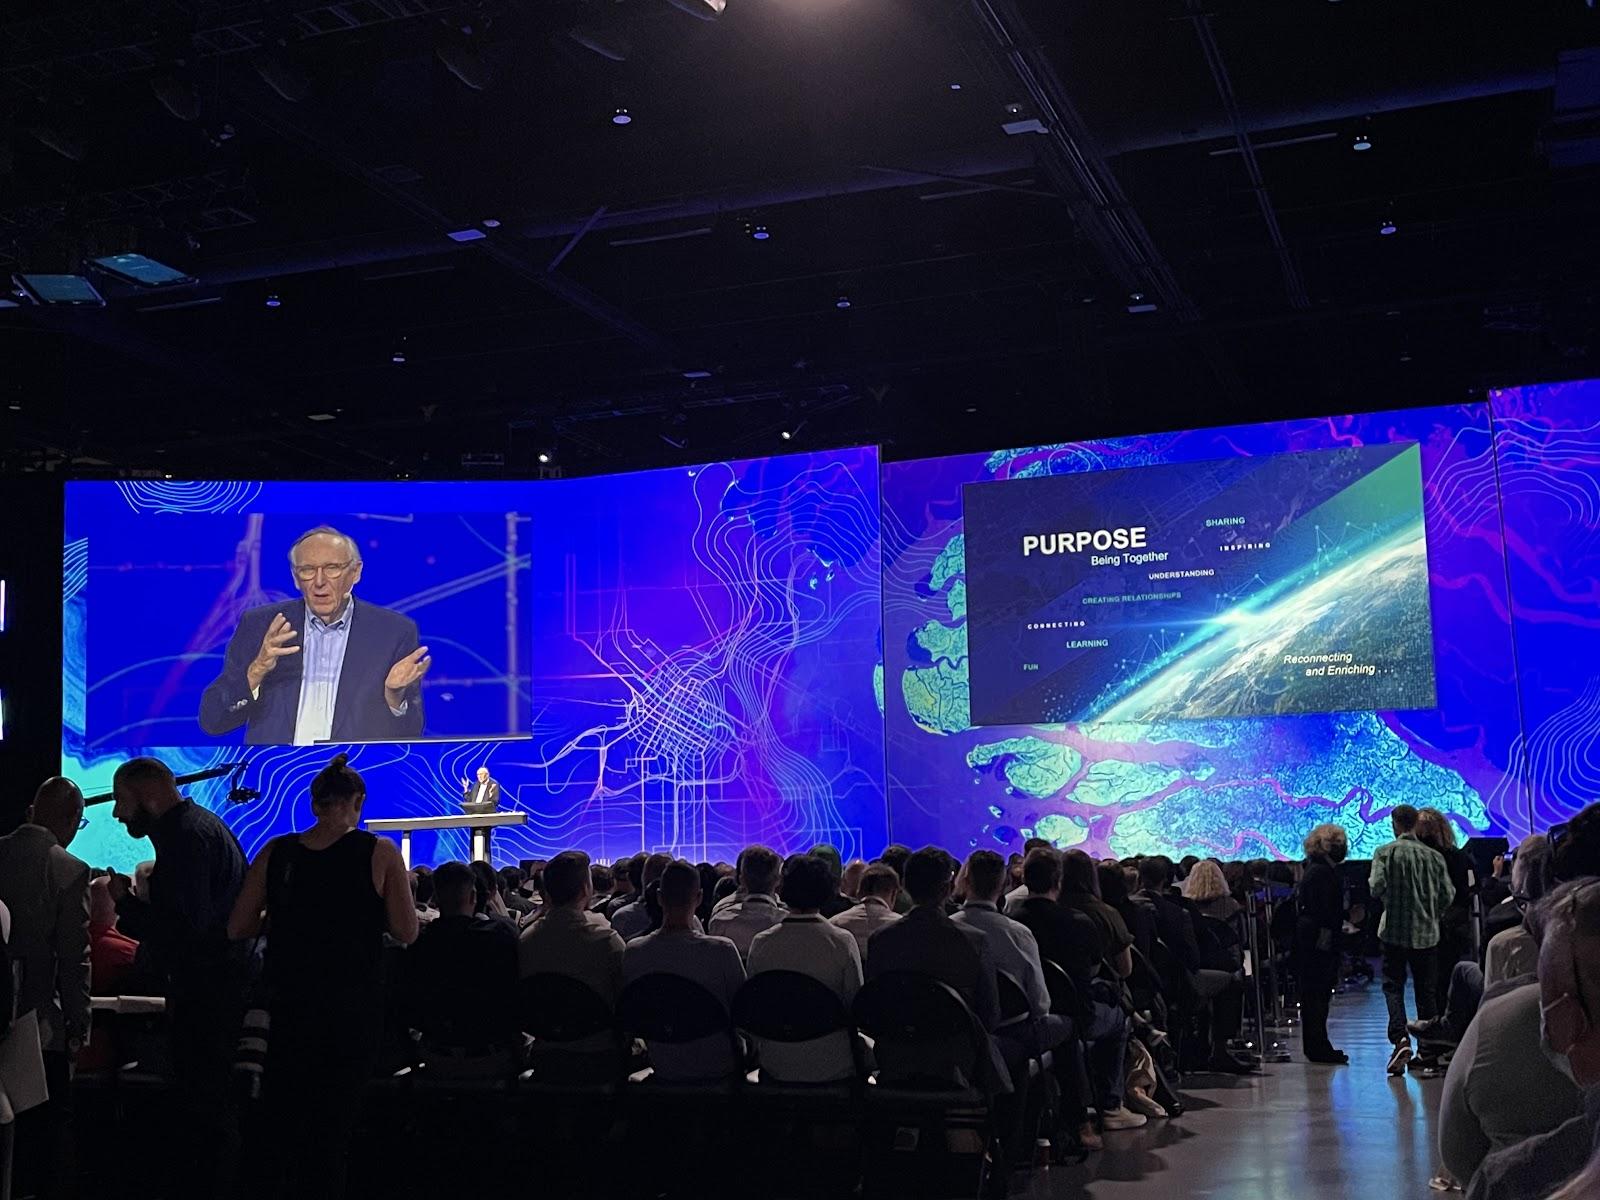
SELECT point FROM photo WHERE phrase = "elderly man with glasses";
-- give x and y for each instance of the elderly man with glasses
(328, 668)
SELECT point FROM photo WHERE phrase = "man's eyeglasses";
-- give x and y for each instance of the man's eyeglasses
(332, 572)
(83, 823)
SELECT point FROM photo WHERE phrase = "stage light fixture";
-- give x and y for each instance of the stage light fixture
(704, 10)
(760, 233)
(622, 117)
(490, 223)
(955, 87)
(272, 300)
(1388, 227)
(842, 302)
(319, 416)
(1362, 141)
(697, 374)
(787, 435)
(1138, 302)
(466, 235)
(398, 355)
(544, 457)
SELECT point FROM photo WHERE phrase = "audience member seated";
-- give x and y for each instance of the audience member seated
(895, 856)
(804, 941)
(837, 901)
(1014, 951)
(633, 918)
(850, 885)
(570, 939)
(1569, 981)
(1139, 918)
(460, 983)
(1501, 1088)
(1080, 892)
(927, 942)
(1206, 886)
(1071, 939)
(601, 879)
(512, 880)
(627, 882)
(754, 908)
(680, 948)
(1512, 952)
(880, 887)
(1018, 891)
(113, 971)
(1218, 982)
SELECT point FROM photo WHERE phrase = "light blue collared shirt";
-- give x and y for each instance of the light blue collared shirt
(322, 658)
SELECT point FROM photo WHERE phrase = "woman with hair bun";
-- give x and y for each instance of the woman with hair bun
(324, 899)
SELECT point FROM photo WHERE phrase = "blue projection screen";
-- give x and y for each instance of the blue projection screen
(679, 660)
(695, 659)
(1241, 587)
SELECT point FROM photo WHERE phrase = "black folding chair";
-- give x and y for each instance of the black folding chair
(1032, 1109)
(932, 1057)
(788, 1006)
(670, 1010)
(575, 1038)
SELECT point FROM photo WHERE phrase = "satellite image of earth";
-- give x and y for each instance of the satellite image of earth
(1373, 608)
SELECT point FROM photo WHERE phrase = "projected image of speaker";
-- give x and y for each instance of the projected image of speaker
(358, 621)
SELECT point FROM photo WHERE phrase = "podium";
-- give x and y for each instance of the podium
(479, 823)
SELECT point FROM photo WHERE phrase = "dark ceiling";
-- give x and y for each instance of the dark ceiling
(931, 281)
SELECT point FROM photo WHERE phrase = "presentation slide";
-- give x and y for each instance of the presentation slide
(340, 617)
(1291, 583)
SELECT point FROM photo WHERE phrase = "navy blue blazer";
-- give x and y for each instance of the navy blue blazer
(379, 638)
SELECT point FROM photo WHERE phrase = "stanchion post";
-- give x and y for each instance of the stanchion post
(1271, 1051)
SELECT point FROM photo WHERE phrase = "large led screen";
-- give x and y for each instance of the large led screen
(675, 660)
(1209, 785)
(1253, 586)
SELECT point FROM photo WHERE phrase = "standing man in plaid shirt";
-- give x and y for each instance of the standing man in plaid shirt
(1414, 884)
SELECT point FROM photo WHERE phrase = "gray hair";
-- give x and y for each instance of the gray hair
(1530, 869)
(326, 531)
(1324, 838)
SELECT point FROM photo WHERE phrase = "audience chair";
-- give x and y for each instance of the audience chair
(933, 1078)
(576, 1046)
(788, 1006)
(1032, 1109)
(665, 1009)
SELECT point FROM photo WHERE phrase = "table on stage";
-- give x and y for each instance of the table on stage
(479, 823)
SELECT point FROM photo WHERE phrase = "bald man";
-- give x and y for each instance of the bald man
(47, 891)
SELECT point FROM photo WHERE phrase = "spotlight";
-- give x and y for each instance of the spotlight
(398, 355)
(1138, 302)
(705, 10)
(787, 435)
(955, 87)
(1388, 227)
(760, 233)
(544, 456)
(622, 117)
(1362, 141)
(273, 301)
(842, 302)
(490, 223)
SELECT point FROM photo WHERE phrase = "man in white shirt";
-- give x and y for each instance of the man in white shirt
(879, 889)
(482, 796)
(754, 907)
(1012, 946)
(807, 943)
(679, 948)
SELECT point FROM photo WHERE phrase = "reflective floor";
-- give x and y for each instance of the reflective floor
(1296, 1130)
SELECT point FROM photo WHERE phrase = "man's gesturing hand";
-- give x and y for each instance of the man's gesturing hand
(274, 645)
(405, 673)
